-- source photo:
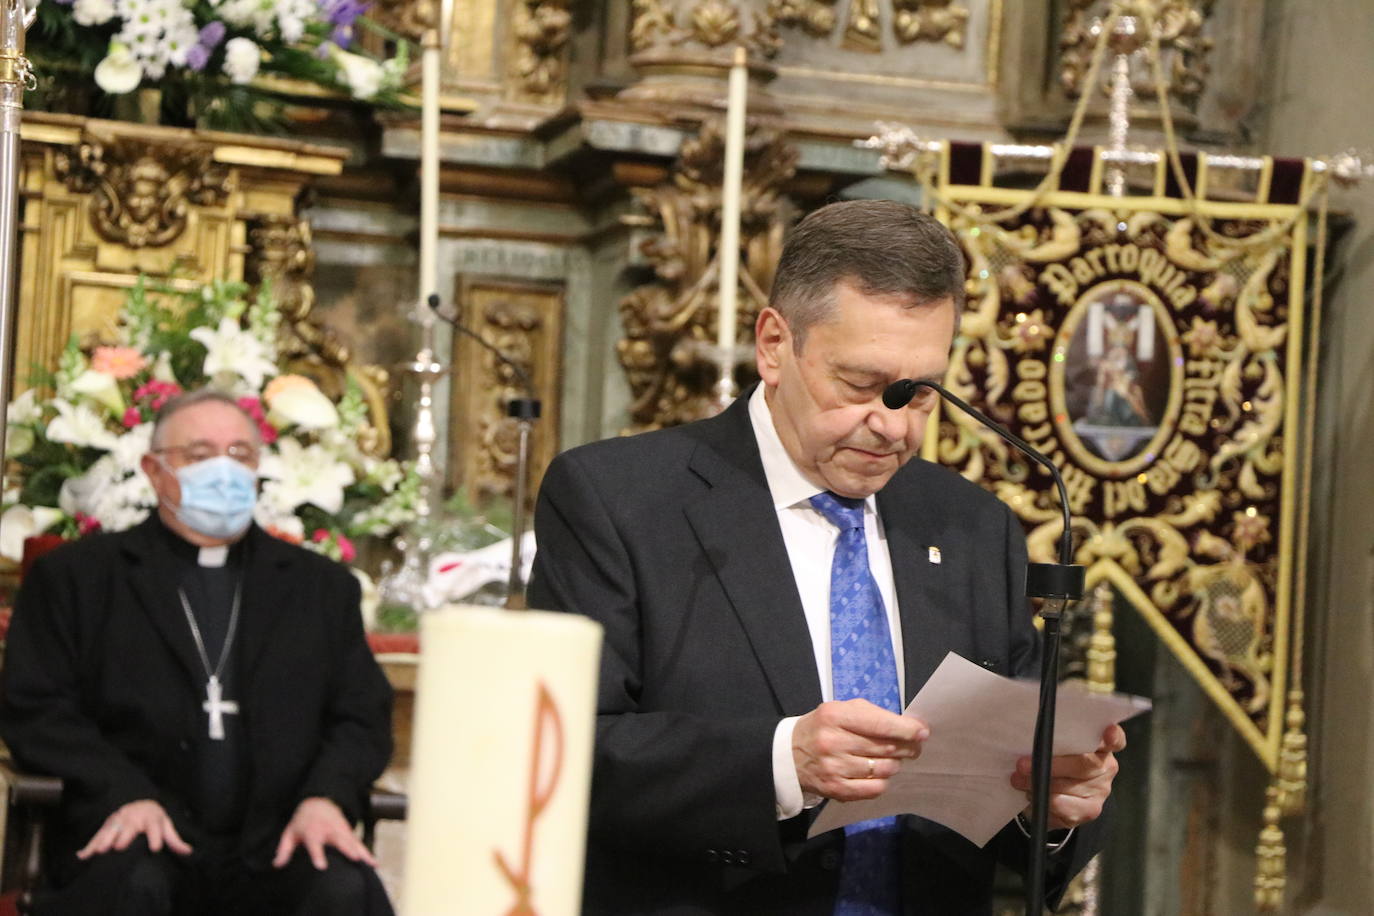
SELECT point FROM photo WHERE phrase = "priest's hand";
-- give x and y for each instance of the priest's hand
(1079, 783)
(319, 823)
(849, 750)
(138, 818)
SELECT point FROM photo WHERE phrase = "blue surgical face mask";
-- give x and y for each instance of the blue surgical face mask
(217, 497)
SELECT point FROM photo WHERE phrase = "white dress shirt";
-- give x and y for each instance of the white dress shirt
(810, 540)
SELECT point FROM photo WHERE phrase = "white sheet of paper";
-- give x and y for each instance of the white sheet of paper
(980, 723)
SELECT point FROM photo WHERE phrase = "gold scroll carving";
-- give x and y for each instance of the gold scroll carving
(912, 20)
(670, 322)
(540, 59)
(710, 24)
(525, 322)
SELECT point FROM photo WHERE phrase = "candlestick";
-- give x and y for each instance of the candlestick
(729, 222)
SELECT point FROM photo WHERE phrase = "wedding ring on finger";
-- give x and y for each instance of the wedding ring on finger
(870, 769)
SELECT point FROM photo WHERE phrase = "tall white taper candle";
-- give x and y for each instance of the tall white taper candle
(729, 210)
(429, 166)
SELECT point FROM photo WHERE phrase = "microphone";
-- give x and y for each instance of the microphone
(520, 373)
(1058, 583)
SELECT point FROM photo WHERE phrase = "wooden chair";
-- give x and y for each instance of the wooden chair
(30, 798)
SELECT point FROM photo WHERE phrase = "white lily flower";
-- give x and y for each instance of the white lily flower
(162, 368)
(101, 387)
(22, 522)
(299, 474)
(131, 447)
(79, 495)
(79, 426)
(271, 512)
(231, 349)
(120, 71)
(363, 76)
(295, 400)
(25, 409)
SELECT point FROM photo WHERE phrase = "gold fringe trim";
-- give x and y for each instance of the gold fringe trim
(1271, 874)
(1292, 775)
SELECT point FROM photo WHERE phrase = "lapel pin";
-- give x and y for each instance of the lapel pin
(935, 555)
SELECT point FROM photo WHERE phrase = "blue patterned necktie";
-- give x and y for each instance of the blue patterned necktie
(862, 665)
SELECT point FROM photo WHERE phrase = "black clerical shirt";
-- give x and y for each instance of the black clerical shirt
(221, 765)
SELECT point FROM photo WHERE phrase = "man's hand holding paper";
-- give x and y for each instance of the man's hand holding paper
(969, 775)
(849, 750)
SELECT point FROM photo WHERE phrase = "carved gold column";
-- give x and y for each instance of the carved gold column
(670, 321)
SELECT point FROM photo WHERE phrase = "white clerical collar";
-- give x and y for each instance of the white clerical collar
(213, 556)
(786, 483)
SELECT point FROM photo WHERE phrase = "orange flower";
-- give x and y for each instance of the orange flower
(120, 362)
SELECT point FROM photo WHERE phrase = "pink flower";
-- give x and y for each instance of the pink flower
(156, 393)
(120, 362)
(253, 407)
(320, 536)
(347, 553)
(85, 524)
(132, 417)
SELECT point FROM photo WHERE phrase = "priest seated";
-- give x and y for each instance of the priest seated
(206, 695)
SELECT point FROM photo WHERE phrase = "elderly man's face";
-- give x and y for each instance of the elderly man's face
(193, 434)
(826, 400)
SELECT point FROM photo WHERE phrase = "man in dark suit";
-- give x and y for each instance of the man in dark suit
(775, 584)
(205, 692)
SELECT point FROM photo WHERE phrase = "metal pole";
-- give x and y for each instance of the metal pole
(14, 74)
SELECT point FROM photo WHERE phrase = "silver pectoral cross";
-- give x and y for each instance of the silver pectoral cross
(217, 706)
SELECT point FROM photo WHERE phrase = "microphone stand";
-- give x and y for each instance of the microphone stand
(1057, 584)
(524, 411)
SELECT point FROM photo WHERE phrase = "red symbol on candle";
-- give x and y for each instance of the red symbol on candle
(542, 785)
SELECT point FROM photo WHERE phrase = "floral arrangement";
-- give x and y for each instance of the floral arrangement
(206, 54)
(72, 459)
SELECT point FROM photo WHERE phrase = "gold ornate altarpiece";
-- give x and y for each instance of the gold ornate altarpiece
(104, 202)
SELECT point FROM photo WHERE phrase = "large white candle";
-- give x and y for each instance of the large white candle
(501, 765)
(730, 206)
(429, 163)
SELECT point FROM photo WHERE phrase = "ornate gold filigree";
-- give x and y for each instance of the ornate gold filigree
(814, 16)
(281, 254)
(710, 24)
(1179, 25)
(862, 31)
(524, 322)
(542, 29)
(143, 192)
(929, 20)
(670, 321)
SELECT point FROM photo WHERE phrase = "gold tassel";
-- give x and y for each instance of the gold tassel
(1292, 778)
(1102, 645)
(1271, 873)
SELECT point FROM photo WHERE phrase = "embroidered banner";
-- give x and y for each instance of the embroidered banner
(1151, 345)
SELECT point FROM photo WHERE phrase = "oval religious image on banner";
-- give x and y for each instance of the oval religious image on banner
(1115, 386)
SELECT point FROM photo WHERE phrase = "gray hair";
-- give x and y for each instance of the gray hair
(192, 398)
(881, 247)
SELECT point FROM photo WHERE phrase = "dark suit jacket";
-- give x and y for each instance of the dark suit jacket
(102, 685)
(671, 541)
